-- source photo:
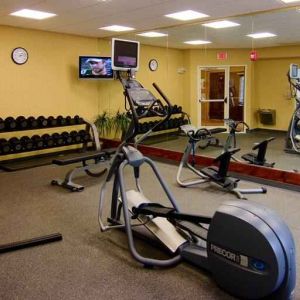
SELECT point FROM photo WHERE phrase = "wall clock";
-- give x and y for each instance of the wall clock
(19, 55)
(153, 64)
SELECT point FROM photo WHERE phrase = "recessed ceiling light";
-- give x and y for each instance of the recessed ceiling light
(187, 15)
(261, 35)
(152, 34)
(221, 24)
(32, 14)
(197, 42)
(289, 1)
(116, 28)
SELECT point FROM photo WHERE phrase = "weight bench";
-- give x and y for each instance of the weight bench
(97, 157)
(259, 157)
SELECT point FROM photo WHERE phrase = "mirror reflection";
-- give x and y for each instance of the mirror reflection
(220, 75)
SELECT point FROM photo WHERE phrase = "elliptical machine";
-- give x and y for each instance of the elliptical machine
(215, 174)
(248, 249)
(292, 144)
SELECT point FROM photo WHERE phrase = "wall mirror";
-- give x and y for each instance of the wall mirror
(223, 73)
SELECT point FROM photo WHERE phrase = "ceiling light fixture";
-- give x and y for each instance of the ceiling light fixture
(289, 1)
(197, 42)
(32, 14)
(152, 34)
(117, 28)
(261, 35)
(187, 15)
(221, 24)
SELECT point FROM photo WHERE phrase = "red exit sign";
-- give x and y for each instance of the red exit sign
(222, 55)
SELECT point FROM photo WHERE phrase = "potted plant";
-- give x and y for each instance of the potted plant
(120, 123)
(104, 124)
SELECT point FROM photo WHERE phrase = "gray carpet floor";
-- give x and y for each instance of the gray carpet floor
(88, 264)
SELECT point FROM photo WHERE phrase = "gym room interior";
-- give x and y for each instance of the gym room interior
(61, 133)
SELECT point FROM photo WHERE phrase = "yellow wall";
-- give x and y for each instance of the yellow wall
(271, 87)
(48, 83)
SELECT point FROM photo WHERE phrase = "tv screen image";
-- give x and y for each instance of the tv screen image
(125, 55)
(95, 67)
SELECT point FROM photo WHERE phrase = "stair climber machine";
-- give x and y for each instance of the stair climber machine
(247, 248)
(293, 136)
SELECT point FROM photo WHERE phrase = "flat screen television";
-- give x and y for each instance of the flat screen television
(95, 67)
(125, 55)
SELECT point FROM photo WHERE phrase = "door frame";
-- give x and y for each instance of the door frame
(226, 92)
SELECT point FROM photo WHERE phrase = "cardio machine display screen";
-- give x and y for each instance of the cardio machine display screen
(125, 54)
(294, 71)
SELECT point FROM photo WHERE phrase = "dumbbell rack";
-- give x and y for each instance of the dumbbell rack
(41, 156)
(172, 125)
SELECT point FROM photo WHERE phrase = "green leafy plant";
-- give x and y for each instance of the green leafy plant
(104, 124)
(120, 123)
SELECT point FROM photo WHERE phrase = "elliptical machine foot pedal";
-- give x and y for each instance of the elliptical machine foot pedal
(73, 187)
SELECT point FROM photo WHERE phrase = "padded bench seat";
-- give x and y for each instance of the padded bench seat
(99, 157)
(84, 156)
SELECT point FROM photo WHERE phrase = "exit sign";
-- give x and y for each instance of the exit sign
(222, 55)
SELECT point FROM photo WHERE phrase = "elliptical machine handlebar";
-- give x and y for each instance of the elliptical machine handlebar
(203, 133)
(234, 124)
(295, 85)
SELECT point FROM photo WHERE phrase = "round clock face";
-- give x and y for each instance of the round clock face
(19, 56)
(153, 64)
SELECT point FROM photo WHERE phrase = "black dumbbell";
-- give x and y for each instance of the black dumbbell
(42, 121)
(10, 123)
(4, 146)
(22, 122)
(85, 135)
(52, 121)
(58, 139)
(70, 120)
(47, 140)
(38, 142)
(140, 110)
(145, 127)
(27, 143)
(61, 121)
(76, 138)
(67, 138)
(179, 109)
(174, 109)
(2, 125)
(170, 123)
(139, 128)
(78, 120)
(32, 122)
(15, 144)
